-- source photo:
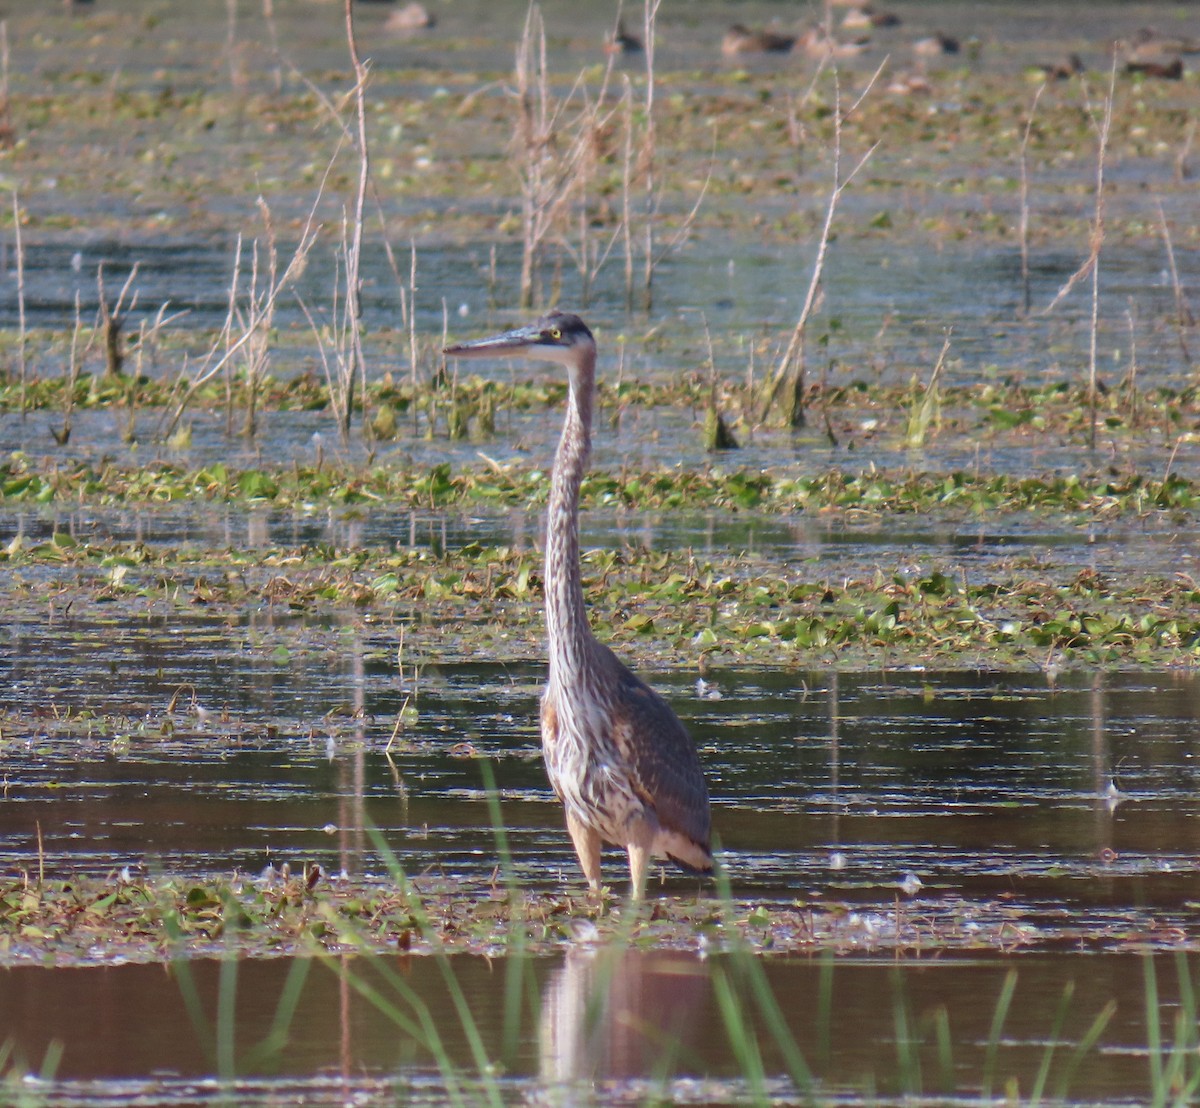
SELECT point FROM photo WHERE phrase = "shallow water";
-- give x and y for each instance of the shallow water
(824, 786)
(1041, 823)
(603, 1025)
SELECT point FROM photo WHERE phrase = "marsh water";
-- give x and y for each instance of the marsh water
(626, 1025)
(1046, 827)
(943, 829)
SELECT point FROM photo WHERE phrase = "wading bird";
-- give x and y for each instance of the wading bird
(619, 759)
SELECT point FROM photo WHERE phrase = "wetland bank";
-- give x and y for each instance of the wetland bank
(272, 575)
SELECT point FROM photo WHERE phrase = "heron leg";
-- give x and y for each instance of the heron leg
(639, 862)
(587, 846)
(640, 849)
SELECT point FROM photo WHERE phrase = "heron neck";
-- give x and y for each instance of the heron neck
(566, 616)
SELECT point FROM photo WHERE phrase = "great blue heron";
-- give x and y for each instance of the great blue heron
(618, 757)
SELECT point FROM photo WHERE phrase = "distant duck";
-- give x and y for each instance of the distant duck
(909, 84)
(622, 42)
(408, 19)
(935, 45)
(817, 44)
(867, 17)
(1069, 66)
(1150, 40)
(1164, 68)
(739, 39)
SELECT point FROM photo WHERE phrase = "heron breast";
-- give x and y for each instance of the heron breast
(586, 768)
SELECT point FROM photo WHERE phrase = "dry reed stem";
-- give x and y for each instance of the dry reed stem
(648, 155)
(258, 350)
(1091, 264)
(63, 435)
(794, 354)
(589, 126)
(212, 365)
(1023, 221)
(231, 314)
(8, 133)
(1183, 312)
(112, 319)
(22, 367)
(355, 365)
(1132, 375)
(547, 179)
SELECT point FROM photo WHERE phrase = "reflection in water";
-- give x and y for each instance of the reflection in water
(611, 1013)
(278, 751)
(615, 1025)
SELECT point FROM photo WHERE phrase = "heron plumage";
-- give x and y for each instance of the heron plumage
(616, 754)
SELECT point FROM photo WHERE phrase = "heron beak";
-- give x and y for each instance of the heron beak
(499, 346)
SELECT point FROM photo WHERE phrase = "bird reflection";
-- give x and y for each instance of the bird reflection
(612, 1013)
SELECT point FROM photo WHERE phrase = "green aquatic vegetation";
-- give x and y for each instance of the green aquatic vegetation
(878, 492)
(660, 607)
(302, 910)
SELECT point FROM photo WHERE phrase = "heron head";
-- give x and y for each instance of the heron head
(557, 337)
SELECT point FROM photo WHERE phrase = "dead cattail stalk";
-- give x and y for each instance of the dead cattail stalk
(1183, 312)
(1023, 221)
(189, 384)
(648, 156)
(356, 364)
(8, 133)
(627, 191)
(1091, 264)
(1097, 243)
(553, 153)
(75, 360)
(22, 368)
(1131, 377)
(231, 315)
(791, 366)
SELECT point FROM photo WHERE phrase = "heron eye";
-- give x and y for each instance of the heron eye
(555, 333)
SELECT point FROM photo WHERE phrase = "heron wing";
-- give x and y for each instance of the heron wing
(662, 758)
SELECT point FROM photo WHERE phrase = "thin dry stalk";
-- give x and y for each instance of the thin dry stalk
(412, 314)
(627, 191)
(112, 320)
(355, 365)
(795, 128)
(75, 361)
(549, 176)
(1131, 377)
(188, 384)
(589, 257)
(231, 315)
(259, 318)
(791, 366)
(1023, 222)
(1091, 264)
(1183, 312)
(1097, 243)
(268, 10)
(1182, 170)
(22, 367)
(8, 133)
(648, 156)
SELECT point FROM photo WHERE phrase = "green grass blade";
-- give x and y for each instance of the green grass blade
(1153, 1029)
(1083, 1048)
(999, 1015)
(945, 1049)
(279, 1032)
(1043, 1073)
(741, 1035)
(907, 1057)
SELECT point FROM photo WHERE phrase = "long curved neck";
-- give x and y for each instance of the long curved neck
(566, 617)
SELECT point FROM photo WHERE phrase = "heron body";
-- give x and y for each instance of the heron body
(617, 756)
